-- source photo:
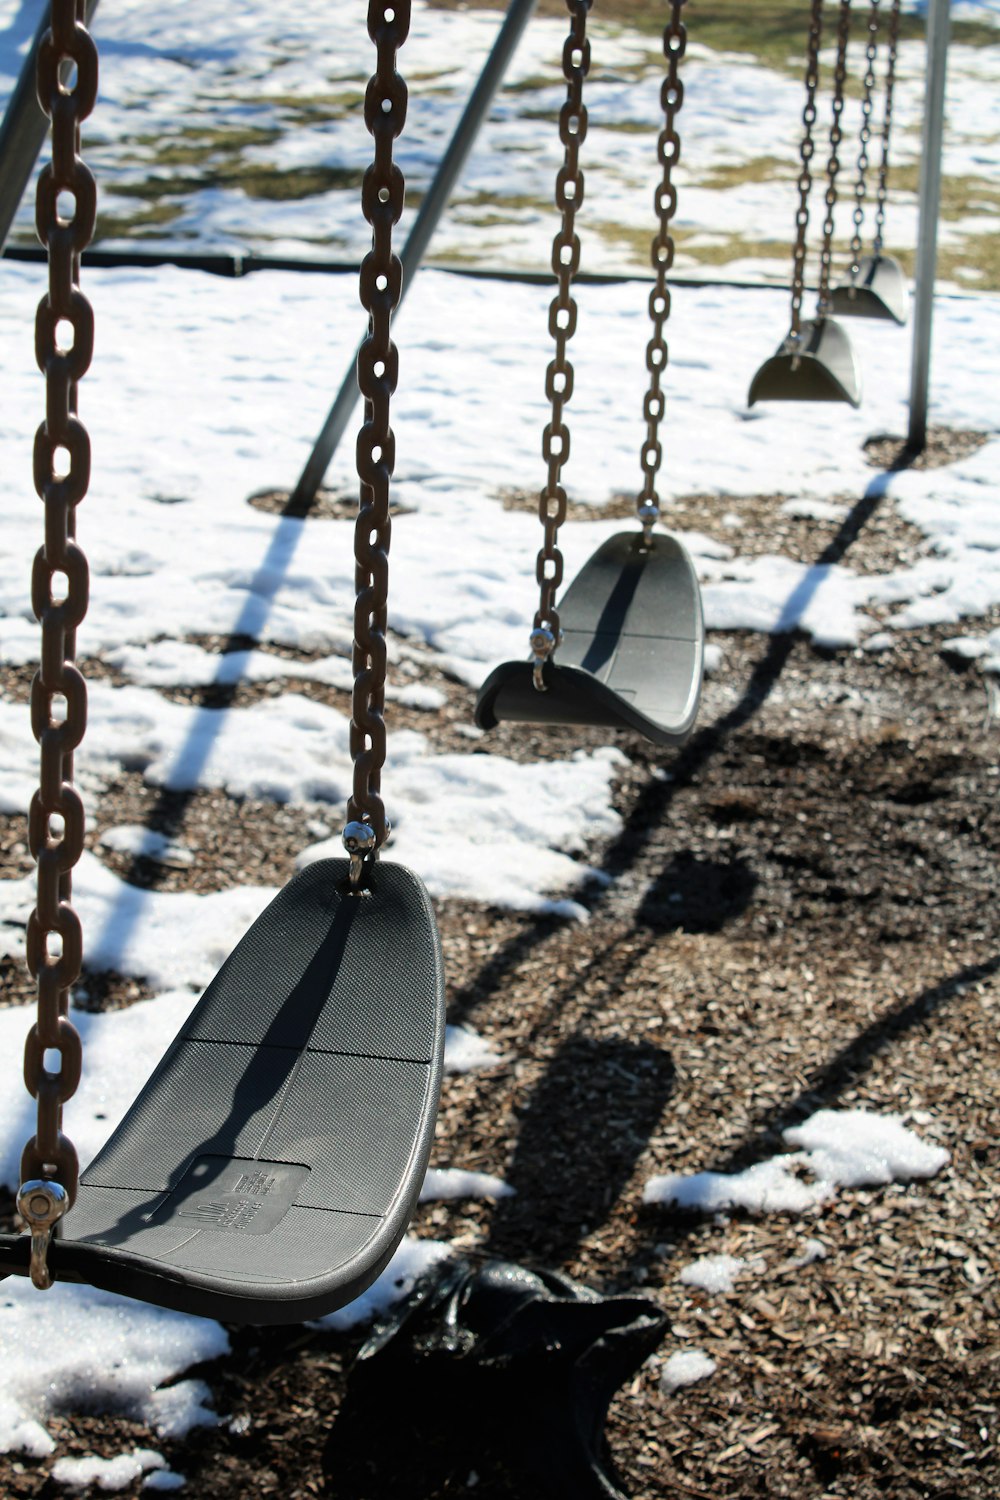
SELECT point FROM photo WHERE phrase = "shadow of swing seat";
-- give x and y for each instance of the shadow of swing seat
(820, 365)
(268, 1169)
(632, 649)
(879, 290)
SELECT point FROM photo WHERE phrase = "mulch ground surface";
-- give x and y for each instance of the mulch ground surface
(798, 912)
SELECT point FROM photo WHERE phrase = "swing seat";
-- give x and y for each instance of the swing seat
(270, 1166)
(879, 290)
(632, 653)
(819, 366)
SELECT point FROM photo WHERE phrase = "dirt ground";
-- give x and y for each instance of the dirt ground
(799, 912)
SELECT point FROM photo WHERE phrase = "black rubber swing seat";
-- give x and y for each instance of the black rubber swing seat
(632, 654)
(818, 366)
(269, 1168)
(878, 290)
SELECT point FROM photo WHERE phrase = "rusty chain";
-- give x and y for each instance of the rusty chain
(562, 325)
(66, 206)
(807, 150)
(668, 151)
(883, 176)
(833, 165)
(867, 89)
(378, 369)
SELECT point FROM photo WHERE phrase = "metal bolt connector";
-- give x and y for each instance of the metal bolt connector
(543, 643)
(360, 842)
(41, 1204)
(648, 515)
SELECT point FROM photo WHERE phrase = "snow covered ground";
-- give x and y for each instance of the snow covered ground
(204, 391)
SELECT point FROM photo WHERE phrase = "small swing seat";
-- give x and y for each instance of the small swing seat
(879, 290)
(818, 366)
(632, 653)
(270, 1166)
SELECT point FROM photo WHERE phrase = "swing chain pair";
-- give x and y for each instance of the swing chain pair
(66, 206)
(662, 255)
(378, 369)
(807, 151)
(546, 634)
(883, 176)
(833, 165)
(867, 90)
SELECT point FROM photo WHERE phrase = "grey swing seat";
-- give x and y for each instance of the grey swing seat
(818, 365)
(877, 290)
(632, 649)
(268, 1169)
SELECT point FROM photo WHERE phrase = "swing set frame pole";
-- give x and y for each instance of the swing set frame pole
(519, 13)
(24, 128)
(938, 31)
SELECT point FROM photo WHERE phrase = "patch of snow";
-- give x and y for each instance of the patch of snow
(453, 1182)
(812, 1250)
(716, 1273)
(77, 1345)
(814, 510)
(841, 1148)
(465, 1050)
(134, 839)
(860, 1148)
(685, 1367)
(413, 1258)
(106, 1473)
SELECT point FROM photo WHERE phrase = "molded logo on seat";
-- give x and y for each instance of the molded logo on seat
(234, 1195)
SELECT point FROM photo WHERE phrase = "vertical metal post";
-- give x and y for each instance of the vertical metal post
(431, 209)
(938, 28)
(22, 133)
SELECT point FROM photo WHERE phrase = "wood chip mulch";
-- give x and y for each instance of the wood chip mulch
(799, 911)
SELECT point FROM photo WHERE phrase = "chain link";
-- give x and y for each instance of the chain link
(562, 325)
(378, 370)
(833, 166)
(883, 176)
(806, 152)
(66, 206)
(662, 255)
(861, 183)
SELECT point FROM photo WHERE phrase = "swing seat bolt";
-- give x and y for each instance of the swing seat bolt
(41, 1205)
(360, 842)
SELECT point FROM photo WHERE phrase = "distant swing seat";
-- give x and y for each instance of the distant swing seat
(818, 366)
(268, 1169)
(879, 290)
(632, 652)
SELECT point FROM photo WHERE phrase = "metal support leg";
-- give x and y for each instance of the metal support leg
(431, 209)
(938, 28)
(23, 131)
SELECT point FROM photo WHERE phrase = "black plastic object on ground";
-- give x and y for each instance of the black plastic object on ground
(270, 1166)
(878, 290)
(820, 365)
(632, 653)
(496, 1370)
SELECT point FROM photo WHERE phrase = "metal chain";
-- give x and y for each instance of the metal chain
(806, 152)
(883, 176)
(860, 185)
(562, 325)
(665, 199)
(833, 166)
(66, 206)
(378, 370)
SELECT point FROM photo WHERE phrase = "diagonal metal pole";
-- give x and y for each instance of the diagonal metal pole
(938, 28)
(431, 209)
(23, 130)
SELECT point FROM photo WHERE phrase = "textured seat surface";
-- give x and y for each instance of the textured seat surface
(268, 1170)
(818, 366)
(632, 654)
